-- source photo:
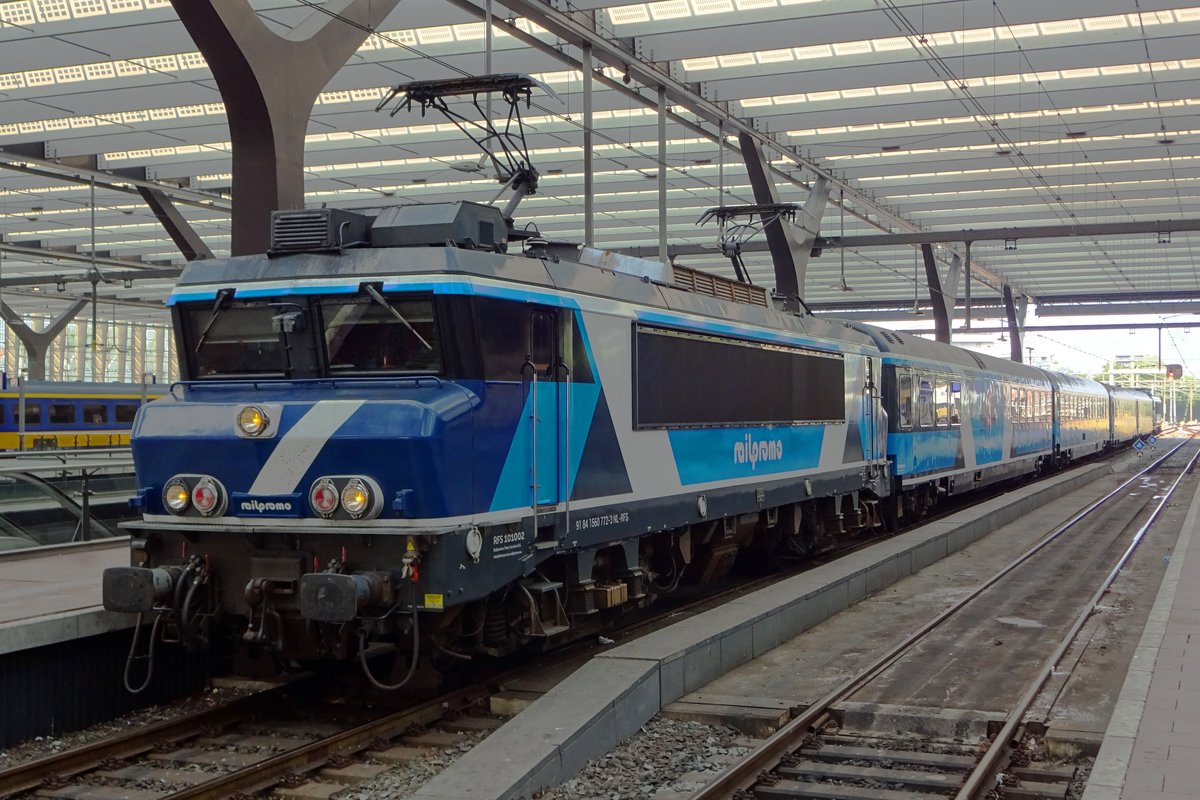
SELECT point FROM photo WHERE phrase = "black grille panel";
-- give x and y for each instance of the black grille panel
(299, 231)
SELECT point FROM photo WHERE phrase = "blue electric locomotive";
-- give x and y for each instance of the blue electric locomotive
(511, 446)
(422, 434)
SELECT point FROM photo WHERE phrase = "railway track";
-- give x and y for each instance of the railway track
(248, 746)
(815, 757)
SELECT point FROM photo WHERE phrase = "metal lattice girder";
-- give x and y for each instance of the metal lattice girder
(18, 158)
(1013, 234)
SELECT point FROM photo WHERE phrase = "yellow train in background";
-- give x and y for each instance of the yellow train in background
(45, 415)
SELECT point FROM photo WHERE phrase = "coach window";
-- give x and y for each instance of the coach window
(62, 414)
(941, 399)
(33, 413)
(125, 412)
(925, 402)
(904, 401)
(95, 414)
(1014, 395)
(955, 402)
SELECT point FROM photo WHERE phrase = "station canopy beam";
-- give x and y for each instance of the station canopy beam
(177, 227)
(38, 252)
(1012, 234)
(31, 158)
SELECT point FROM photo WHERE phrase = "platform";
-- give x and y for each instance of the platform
(52, 594)
(1151, 748)
(614, 694)
(61, 654)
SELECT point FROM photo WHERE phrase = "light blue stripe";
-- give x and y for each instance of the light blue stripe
(441, 288)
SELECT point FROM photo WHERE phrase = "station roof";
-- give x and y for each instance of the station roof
(949, 115)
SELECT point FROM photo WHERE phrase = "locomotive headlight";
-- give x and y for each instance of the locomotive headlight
(207, 496)
(253, 420)
(356, 498)
(323, 497)
(176, 496)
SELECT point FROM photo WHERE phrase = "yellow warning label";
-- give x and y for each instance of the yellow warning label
(433, 601)
(410, 547)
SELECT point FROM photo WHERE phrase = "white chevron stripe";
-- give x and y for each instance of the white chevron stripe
(301, 445)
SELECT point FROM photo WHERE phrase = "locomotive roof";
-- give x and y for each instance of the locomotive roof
(353, 266)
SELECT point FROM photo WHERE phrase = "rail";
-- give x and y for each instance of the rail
(745, 773)
(978, 782)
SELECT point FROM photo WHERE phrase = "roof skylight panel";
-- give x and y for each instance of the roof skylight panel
(53, 10)
(19, 12)
(622, 15)
(87, 8)
(704, 7)
(670, 9)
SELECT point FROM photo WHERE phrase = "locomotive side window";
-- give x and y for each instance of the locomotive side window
(541, 342)
(759, 383)
(925, 402)
(363, 336)
(904, 401)
(503, 328)
(232, 339)
(941, 401)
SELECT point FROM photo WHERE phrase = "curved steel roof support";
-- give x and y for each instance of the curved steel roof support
(790, 245)
(1015, 308)
(37, 343)
(942, 294)
(269, 84)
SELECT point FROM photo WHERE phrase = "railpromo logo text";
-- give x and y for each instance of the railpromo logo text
(751, 451)
(263, 506)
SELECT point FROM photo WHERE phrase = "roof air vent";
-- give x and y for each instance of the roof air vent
(316, 230)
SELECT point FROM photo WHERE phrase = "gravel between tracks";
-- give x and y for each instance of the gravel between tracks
(53, 745)
(657, 759)
(405, 779)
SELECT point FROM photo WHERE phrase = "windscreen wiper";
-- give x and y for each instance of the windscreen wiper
(374, 294)
(223, 296)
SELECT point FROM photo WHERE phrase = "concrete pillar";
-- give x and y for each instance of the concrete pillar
(269, 84)
(37, 343)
